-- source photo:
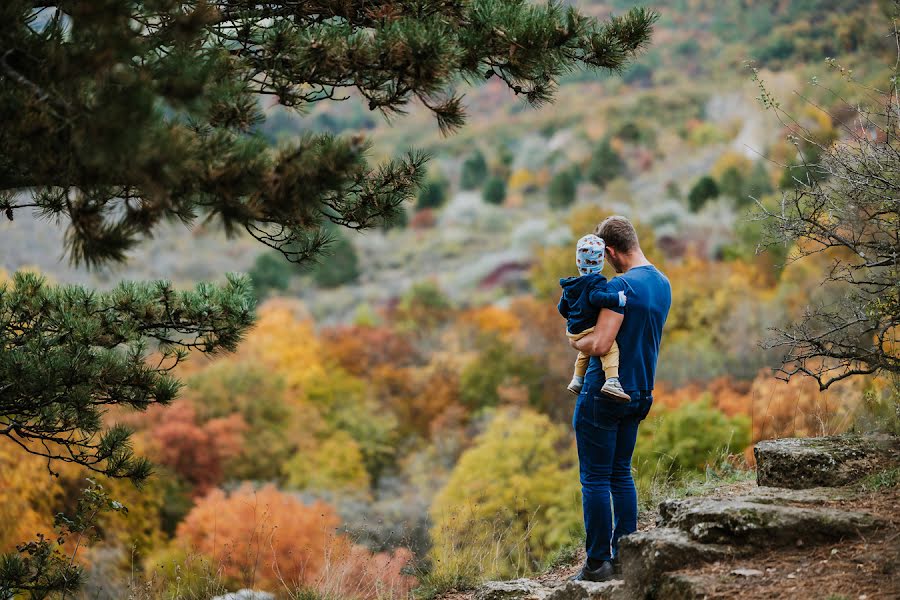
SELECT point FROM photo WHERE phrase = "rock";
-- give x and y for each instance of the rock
(747, 572)
(682, 586)
(516, 589)
(589, 590)
(646, 555)
(826, 461)
(742, 522)
(246, 594)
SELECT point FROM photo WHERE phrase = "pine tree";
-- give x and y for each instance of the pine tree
(433, 193)
(704, 190)
(605, 165)
(117, 115)
(494, 191)
(562, 189)
(474, 171)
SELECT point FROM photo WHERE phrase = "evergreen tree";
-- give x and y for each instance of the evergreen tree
(474, 171)
(562, 189)
(494, 191)
(732, 184)
(339, 263)
(270, 272)
(605, 165)
(433, 193)
(118, 115)
(759, 183)
(704, 190)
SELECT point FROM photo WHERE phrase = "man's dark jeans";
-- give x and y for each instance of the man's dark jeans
(606, 431)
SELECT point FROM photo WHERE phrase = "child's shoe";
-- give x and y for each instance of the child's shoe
(575, 385)
(613, 388)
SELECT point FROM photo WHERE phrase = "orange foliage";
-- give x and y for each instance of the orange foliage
(492, 319)
(359, 349)
(196, 451)
(27, 493)
(267, 538)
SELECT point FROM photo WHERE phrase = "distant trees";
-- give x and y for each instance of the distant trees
(494, 190)
(561, 191)
(474, 171)
(512, 498)
(339, 264)
(841, 202)
(704, 190)
(433, 193)
(606, 164)
(270, 273)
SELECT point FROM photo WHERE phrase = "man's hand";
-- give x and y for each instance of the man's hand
(599, 341)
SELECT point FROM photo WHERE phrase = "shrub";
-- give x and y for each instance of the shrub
(704, 190)
(732, 184)
(494, 191)
(271, 271)
(474, 171)
(340, 264)
(605, 165)
(562, 188)
(433, 193)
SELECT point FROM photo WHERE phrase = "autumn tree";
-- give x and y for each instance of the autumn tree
(511, 499)
(118, 116)
(849, 212)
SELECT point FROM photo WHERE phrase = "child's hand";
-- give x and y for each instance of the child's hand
(622, 298)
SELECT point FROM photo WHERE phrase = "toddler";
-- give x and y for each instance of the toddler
(582, 299)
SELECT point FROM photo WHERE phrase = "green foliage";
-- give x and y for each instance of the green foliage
(160, 123)
(39, 568)
(605, 165)
(399, 220)
(562, 189)
(759, 183)
(433, 193)
(732, 184)
(340, 263)
(494, 190)
(498, 365)
(688, 438)
(703, 191)
(474, 171)
(512, 500)
(71, 353)
(270, 273)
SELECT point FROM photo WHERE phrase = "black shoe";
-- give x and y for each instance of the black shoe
(602, 573)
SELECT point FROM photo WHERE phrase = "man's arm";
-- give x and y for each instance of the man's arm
(599, 341)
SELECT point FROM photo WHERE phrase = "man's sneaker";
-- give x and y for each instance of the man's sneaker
(602, 573)
(613, 388)
(575, 386)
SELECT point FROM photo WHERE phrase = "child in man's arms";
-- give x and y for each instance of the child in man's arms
(582, 299)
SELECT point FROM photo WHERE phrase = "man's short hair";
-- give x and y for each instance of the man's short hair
(619, 233)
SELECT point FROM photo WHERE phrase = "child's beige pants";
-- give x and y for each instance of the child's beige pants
(610, 359)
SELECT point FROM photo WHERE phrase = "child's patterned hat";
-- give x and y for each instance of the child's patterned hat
(589, 254)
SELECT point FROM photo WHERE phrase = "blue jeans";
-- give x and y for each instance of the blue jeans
(605, 433)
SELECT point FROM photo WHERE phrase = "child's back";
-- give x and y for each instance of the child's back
(582, 299)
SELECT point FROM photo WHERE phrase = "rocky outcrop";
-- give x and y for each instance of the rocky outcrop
(800, 463)
(799, 503)
(529, 589)
(246, 594)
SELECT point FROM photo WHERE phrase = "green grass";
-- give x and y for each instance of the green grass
(432, 585)
(883, 480)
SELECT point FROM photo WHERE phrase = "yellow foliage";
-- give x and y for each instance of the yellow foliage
(334, 464)
(287, 345)
(512, 499)
(492, 319)
(728, 160)
(522, 180)
(27, 494)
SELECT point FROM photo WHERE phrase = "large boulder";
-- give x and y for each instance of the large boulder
(516, 589)
(647, 555)
(744, 522)
(833, 461)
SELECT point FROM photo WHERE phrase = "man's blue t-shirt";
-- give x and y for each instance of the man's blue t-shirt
(649, 298)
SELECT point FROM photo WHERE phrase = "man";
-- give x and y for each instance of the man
(606, 429)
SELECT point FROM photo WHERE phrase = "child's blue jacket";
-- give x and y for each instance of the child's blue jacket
(582, 299)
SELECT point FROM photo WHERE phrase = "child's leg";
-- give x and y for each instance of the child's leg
(581, 363)
(611, 361)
